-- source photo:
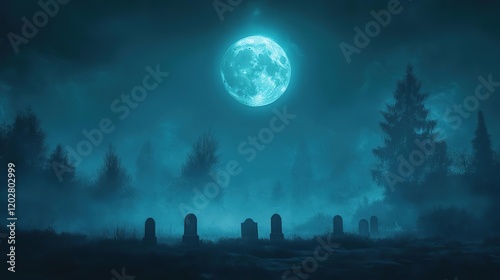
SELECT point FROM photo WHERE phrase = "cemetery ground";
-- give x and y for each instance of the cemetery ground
(45, 254)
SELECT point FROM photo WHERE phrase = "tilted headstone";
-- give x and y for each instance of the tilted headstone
(364, 228)
(190, 236)
(374, 225)
(149, 232)
(249, 230)
(338, 225)
(276, 229)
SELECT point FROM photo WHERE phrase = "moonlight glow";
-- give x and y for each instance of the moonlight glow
(255, 71)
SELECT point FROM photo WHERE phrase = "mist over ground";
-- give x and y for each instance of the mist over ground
(73, 74)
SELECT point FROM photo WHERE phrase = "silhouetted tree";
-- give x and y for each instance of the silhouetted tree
(484, 179)
(61, 171)
(301, 172)
(407, 132)
(482, 159)
(112, 178)
(25, 140)
(202, 159)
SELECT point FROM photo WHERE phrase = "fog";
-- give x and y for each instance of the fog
(74, 72)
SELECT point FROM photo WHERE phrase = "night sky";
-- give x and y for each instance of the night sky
(91, 52)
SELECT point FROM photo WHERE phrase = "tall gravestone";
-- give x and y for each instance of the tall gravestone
(190, 236)
(338, 225)
(276, 229)
(374, 225)
(364, 228)
(249, 230)
(149, 232)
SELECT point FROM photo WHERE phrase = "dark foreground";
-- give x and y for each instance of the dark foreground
(45, 255)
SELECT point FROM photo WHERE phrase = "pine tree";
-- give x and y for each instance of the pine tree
(112, 178)
(26, 141)
(407, 136)
(484, 179)
(60, 171)
(482, 159)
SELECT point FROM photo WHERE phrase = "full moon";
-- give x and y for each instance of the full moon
(255, 71)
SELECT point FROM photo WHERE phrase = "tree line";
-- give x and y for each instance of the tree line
(414, 164)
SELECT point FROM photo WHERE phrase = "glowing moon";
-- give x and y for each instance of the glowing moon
(255, 71)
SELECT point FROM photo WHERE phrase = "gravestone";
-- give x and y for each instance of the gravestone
(276, 229)
(364, 228)
(374, 225)
(149, 232)
(249, 230)
(338, 225)
(190, 236)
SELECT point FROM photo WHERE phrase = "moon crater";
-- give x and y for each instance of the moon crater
(255, 71)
